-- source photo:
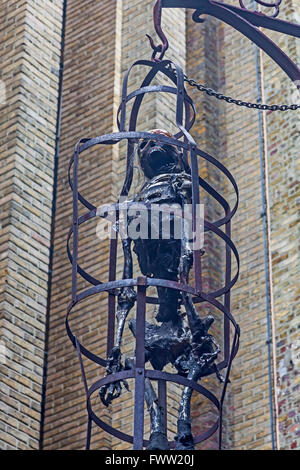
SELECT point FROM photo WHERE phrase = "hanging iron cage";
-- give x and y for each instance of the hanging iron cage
(193, 157)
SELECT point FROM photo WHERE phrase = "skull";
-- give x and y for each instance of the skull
(158, 158)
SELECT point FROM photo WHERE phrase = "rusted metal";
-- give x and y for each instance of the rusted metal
(247, 23)
(161, 48)
(275, 5)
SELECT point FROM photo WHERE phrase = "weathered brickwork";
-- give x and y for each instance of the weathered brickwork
(249, 421)
(282, 142)
(88, 99)
(30, 52)
(249, 396)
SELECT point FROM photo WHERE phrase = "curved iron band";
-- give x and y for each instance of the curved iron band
(223, 13)
(212, 226)
(77, 344)
(160, 89)
(207, 226)
(116, 137)
(178, 80)
(275, 5)
(88, 277)
(146, 89)
(85, 217)
(110, 286)
(156, 67)
(171, 75)
(154, 375)
(204, 297)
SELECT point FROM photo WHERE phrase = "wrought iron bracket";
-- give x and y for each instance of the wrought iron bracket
(247, 23)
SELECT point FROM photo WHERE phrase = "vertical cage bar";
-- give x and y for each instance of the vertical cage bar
(75, 224)
(162, 401)
(140, 365)
(111, 296)
(195, 207)
(88, 434)
(227, 297)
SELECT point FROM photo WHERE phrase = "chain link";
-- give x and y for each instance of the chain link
(228, 99)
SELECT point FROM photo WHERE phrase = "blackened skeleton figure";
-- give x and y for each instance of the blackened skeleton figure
(186, 345)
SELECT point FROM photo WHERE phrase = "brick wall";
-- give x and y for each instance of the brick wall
(282, 156)
(250, 421)
(29, 72)
(247, 405)
(88, 101)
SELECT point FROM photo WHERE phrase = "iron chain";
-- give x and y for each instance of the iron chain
(228, 99)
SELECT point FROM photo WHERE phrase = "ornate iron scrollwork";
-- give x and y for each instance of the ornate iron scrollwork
(268, 4)
(247, 22)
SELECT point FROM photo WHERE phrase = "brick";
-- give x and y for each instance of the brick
(28, 124)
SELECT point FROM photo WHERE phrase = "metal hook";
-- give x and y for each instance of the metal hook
(157, 12)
